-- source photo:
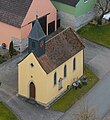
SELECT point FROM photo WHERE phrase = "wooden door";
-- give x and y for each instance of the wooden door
(32, 90)
(51, 27)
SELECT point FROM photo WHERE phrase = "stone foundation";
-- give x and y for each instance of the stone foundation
(20, 45)
(76, 22)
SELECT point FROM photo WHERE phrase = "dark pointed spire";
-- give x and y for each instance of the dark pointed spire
(37, 32)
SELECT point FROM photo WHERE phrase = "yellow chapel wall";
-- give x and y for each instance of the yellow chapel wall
(46, 92)
(53, 91)
(25, 71)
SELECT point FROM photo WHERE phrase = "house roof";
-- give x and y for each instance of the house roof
(69, 2)
(59, 49)
(13, 12)
(37, 32)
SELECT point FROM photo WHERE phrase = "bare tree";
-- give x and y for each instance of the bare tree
(103, 7)
(85, 113)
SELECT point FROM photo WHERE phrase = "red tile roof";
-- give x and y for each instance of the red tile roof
(59, 49)
(13, 12)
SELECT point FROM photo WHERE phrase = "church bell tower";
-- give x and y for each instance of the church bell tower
(37, 40)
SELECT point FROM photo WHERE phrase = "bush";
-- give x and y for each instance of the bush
(99, 21)
(6, 56)
(1, 59)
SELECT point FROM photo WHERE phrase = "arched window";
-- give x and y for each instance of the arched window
(55, 78)
(65, 71)
(74, 64)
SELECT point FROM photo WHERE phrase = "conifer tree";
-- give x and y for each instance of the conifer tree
(11, 49)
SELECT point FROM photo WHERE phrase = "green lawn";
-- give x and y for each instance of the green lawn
(73, 95)
(95, 33)
(5, 113)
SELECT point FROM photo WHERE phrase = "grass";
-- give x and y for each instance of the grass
(64, 103)
(5, 113)
(95, 33)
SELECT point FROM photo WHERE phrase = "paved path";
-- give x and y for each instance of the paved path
(98, 98)
(98, 58)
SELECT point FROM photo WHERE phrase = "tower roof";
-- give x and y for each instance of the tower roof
(37, 32)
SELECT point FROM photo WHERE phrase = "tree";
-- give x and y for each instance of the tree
(11, 49)
(85, 113)
(103, 7)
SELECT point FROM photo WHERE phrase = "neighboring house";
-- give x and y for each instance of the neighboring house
(75, 13)
(17, 18)
(51, 65)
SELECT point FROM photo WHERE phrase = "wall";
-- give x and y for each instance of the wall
(80, 9)
(38, 7)
(71, 76)
(8, 32)
(25, 71)
(83, 8)
(45, 89)
(78, 16)
(76, 22)
(64, 8)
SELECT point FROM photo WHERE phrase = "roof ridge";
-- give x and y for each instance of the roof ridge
(58, 34)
